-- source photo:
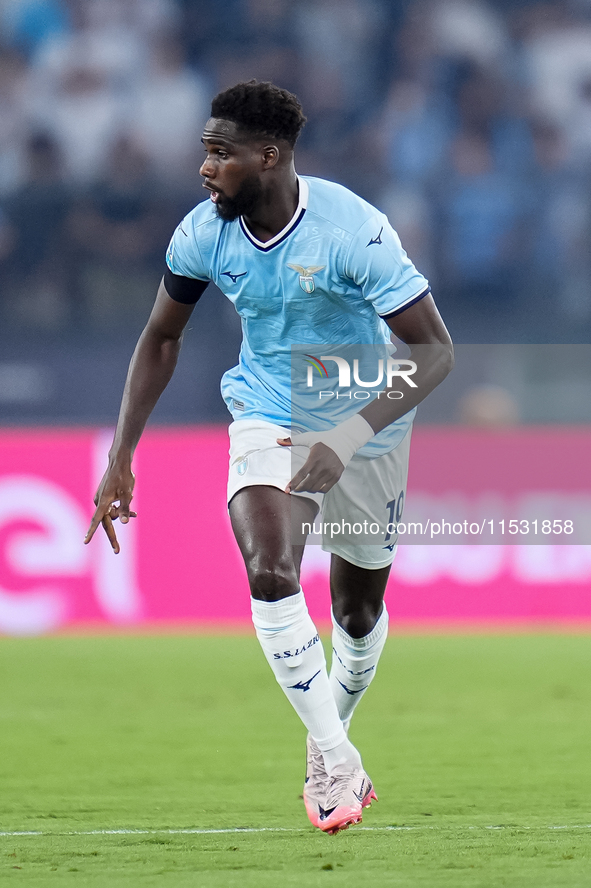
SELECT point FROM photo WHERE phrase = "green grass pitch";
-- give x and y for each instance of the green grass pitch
(479, 747)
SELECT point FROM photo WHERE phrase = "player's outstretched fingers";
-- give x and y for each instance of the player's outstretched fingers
(110, 531)
(96, 521)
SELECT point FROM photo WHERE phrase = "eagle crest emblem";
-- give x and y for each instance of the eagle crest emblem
(306, 279)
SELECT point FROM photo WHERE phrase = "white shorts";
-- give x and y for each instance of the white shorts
(357, 514)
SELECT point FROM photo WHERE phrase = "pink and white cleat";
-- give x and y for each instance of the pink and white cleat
(349, 791)
(316, 784)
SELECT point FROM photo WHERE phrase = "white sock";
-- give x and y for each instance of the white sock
(292, 646)
(354, 662)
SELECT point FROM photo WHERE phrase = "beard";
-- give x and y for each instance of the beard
(243, 203)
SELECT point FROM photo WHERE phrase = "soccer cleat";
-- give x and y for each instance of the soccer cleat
(316, 783)
(349, 791)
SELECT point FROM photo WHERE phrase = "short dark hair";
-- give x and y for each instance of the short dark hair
(261, 109)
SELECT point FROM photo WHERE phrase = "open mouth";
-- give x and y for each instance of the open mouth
(213, 195)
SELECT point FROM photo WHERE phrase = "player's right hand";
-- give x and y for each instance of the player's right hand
(112, 501)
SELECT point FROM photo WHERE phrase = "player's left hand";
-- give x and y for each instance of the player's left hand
(320, 472)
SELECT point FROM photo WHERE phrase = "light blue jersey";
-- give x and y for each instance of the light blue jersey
(329, 277)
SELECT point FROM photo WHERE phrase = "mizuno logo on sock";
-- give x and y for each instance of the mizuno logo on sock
(349, 691)
(304, 685)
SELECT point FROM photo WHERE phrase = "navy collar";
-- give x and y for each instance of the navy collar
(291, 225)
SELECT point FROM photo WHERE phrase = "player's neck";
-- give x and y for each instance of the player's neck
(276, 209)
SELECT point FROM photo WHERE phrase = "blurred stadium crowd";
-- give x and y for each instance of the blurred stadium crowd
(467, 121)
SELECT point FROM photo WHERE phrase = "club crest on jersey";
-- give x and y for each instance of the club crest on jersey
(306, 279)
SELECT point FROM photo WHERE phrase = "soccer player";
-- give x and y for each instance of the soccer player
(304, 261)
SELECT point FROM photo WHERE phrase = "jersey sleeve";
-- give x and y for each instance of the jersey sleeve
(378, 265)
(183, 256)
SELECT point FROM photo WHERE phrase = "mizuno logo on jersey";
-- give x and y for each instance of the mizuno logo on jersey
(304, 685)
(306, 279)
(234, 277)
(378, 239)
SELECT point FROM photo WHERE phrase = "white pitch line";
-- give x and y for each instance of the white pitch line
(271, 829)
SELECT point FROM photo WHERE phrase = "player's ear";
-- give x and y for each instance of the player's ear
(270, 156)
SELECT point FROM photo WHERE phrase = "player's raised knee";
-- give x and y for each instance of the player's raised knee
(272, 583)
(357, 623)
